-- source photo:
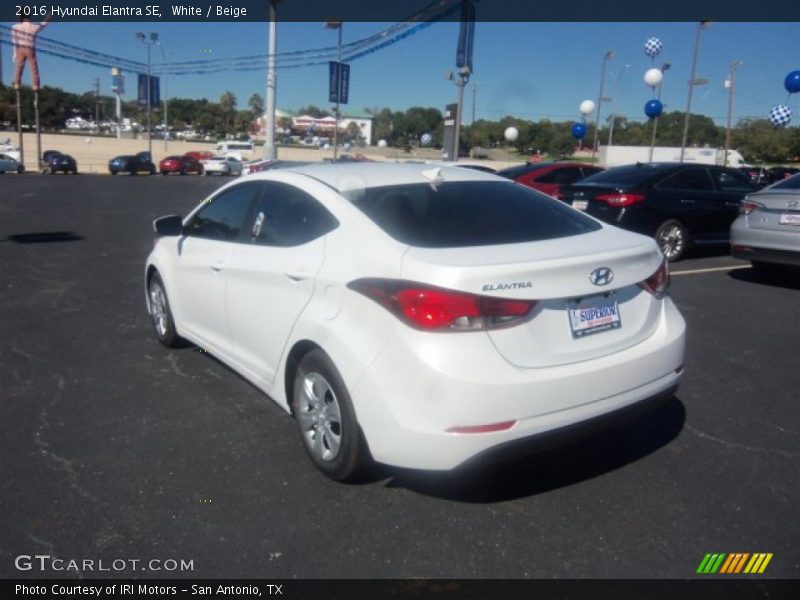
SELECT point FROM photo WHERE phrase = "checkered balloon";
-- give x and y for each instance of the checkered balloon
(652, 47)
(780, 115)
(426, 139)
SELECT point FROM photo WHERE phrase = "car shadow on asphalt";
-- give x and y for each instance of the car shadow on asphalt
(44, 237)
(612, 449)
(787, 278)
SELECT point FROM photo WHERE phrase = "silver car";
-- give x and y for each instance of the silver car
(8, 163)
(767, 231)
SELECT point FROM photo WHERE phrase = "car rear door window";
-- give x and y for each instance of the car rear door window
(223, 217)
(287, 216)
(688, 179)
(468, 213)
(731, 181)
(563, 176)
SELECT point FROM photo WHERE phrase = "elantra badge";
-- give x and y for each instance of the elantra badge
(601, 276)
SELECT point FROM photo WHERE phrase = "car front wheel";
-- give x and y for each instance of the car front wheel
(673, 238)
(161, 313)
(326, 420)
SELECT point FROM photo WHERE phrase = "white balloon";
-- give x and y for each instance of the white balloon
(511, 134)
(587, 107)
(382, 144)
(653, 77)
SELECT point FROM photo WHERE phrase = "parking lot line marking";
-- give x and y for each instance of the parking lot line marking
(711, 270)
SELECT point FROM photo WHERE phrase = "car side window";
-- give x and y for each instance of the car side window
(688, 179)
(730, 181)
(223, 217)
(287, 216)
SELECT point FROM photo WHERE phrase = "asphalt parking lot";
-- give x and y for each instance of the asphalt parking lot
(114, 447)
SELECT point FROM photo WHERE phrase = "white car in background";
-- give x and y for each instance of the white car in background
(416, 315)
(222, 165)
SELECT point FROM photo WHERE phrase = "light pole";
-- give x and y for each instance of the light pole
(606, 57)
(166, 94)
(269, 135)
(338, 26)
(664, 68)
(692, 82)
(148, 42)
(463, 79)
(613, 114)
(730, 84)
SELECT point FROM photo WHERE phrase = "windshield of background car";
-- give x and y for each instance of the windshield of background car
(790, 183)
(468, 213)
(622, 177)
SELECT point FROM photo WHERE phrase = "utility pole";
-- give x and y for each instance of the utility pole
(474, 96)
(692, 82)
(97, 101)
(269, 140)
(337, 25)
(731, 85)
(606, 57)
(153, 40)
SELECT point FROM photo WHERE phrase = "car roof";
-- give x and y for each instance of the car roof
(357, 175)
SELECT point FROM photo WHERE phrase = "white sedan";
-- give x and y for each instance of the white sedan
(222, 165)
(416, 315)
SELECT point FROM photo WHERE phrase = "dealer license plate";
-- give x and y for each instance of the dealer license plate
(790, 219)
(580, 204)
(592, 315)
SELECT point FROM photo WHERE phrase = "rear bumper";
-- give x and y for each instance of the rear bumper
(772, 246)
(407, 400)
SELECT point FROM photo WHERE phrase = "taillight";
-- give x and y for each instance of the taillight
(749, 206)
(620, 199)
(658, 283)
(437, 309)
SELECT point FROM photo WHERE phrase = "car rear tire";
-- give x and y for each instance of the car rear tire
(182, 171)
(161, 313)
(20, 170)
(673, 239)
(326, 420)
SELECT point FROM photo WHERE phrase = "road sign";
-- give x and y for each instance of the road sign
(338, 82)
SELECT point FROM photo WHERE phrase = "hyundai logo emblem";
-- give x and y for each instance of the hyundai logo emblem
(601, 276)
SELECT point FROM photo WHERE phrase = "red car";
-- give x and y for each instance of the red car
(180, 164)
(199, 154)
(549, 177)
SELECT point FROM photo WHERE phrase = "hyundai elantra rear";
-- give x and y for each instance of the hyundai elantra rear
(416, 316)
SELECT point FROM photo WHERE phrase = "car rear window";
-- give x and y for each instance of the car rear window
(514, 172)
(790, 183)
(468, 213)
(629, 175)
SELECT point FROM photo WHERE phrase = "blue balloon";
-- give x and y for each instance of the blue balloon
(653, 108)
(578, 131)
(792, 82)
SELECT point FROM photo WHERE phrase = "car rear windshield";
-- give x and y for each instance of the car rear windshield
(514, 172)
(468, 213)
(622, 177)
(790, 183)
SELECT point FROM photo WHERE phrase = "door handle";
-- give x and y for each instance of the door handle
(296, 275)
(218, 267)
(687, 201)
(736, 204)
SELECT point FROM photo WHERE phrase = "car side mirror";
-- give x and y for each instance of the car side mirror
(171, 225)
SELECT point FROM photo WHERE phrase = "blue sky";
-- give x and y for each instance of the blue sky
(530, 70)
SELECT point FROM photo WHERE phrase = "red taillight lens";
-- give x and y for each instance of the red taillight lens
(621, 199)
(749, 206)
(437, 309)
(658, 283)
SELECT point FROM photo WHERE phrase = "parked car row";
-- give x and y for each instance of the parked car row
(201, 163)
(764, 176)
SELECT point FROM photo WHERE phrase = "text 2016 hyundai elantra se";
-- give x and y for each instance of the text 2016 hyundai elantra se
(414, 315)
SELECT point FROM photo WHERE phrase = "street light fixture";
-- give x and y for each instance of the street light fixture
(153, 39)
(730, 84)
(692, 82)
(606, 57)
